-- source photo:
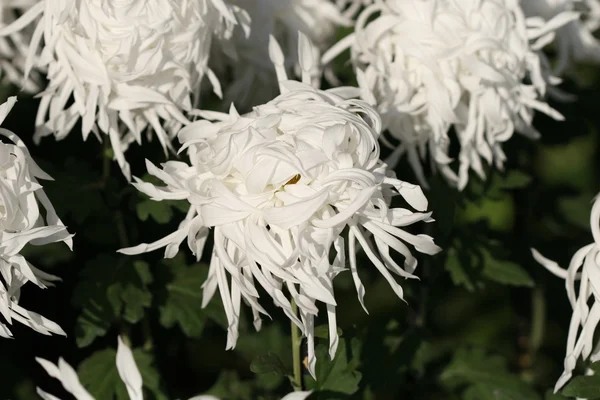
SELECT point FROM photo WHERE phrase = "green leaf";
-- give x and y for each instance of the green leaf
(110, 288)
(473, 367)
(100, 377)
(322, 331)
(505, 272)
(339, 375)
(550, 395)
(587, 387)
(160, 211)
(268, 363)
(271, 340)
(513, 179)
(463, 267)
(230, 386)
(150, 375)
(182, 303)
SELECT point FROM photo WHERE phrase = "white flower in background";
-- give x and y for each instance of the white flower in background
(470, 66)
(574, 42)
(279, 186)
(245, 58)
(14, 48)
(128, 372)
(129, 66)
(22, 223)
(585, 268)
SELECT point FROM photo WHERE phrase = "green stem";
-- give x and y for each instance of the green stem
(106, 160)
(147, 332)
(538, 307)
(121, 230)
(296, 343)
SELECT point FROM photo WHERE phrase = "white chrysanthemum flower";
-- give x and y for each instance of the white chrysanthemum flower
(14, 48)
(22, 223)
(128, 372)
(575, 42)
(278, 186)
(128, 66)
(245, 58)
(435, 65)
(585, 268)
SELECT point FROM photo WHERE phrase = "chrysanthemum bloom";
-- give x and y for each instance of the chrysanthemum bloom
(245, 58)
(575, 42)
(585, 268)
(128, 372)
(128, 66)
(13, 48)
(279, 186)
(432, 66)
(22, 223)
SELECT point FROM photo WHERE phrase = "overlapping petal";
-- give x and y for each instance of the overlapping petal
(279, 186)
(122, 68)
(575, 41)
(14, 48)
(585, 299)
(27, 217)
(433, 67)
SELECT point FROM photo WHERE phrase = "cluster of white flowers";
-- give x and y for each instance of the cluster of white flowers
(432, 66)
(290, 188)
(13, 48)
(278, 186)
(128, 372)
(22, 223)
(126, 65)
(585, 268)
(245, 57)
(575, 41)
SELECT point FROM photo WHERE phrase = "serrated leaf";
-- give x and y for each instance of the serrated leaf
(268, 363)
(586, 387)
(473, 367)
(505, 272)
(110, 288)
(339, 375)
(160, 211)
(182, 303)
(462, 269)
(133, 286)
(99, 375)
(271, 339)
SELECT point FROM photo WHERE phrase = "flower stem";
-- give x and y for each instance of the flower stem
(107, 155)
(147, 332)
(296, 343)
(538, 306)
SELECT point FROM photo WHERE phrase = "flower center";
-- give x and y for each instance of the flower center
(294, 180)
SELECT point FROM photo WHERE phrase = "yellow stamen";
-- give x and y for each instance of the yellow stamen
(294, 179)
